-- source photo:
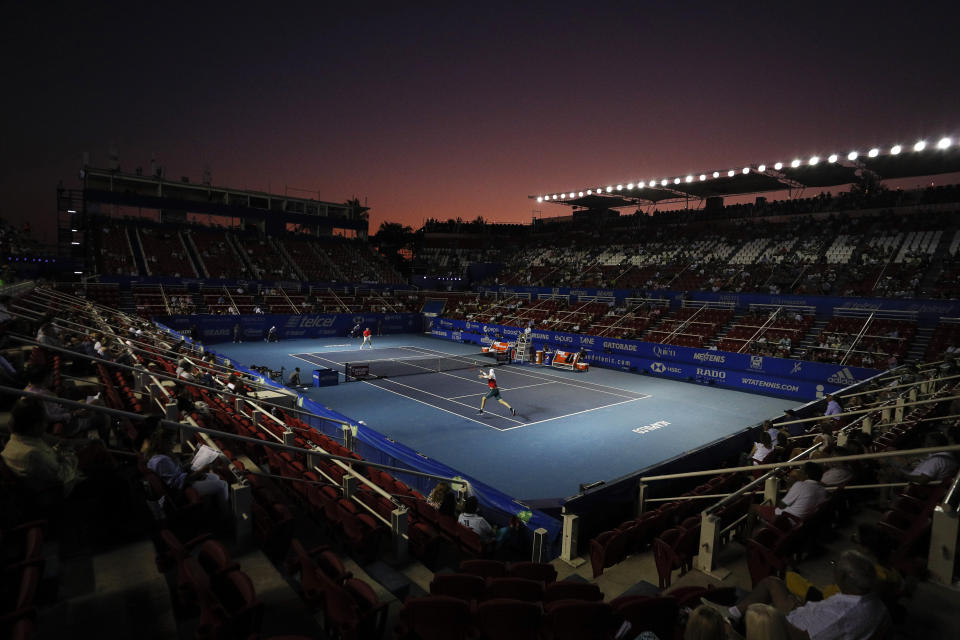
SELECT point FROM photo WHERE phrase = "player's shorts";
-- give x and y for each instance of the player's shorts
(493, 393)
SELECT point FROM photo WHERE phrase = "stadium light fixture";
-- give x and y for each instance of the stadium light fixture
(619, 187)
(895, 149)
(832, 158)
(74, 242)
(944, 143)
(716, 174)
(795, 163)
(920, 146)
(630, 186)
(778, 166)
(580, 194)
(539, 198)
(676, 181)
(873, 153)
(703, 177)
(71, 211)
(664, 182)
(609, 189)
(762, 168)
(589, 192)
(689, 178)
(641, 184)
(853, 155)
(78, 273)
(746, 170)
(814, 161)
(73, 230)
(571, 194)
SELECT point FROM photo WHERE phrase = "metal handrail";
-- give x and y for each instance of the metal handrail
(793, 462)
(170, 424)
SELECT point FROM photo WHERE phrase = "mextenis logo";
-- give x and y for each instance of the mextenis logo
(712, 373)
(709, 356)
(843, 376)
(664, 352)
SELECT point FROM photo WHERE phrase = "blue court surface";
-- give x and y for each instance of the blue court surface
(570, 428)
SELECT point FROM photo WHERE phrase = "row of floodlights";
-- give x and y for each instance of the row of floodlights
(943, 143)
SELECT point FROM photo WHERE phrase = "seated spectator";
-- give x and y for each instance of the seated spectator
(294, 379)
(40, 381)
(448, 505)
(837, 473)
(49, 466)
(765, 622)
(479, 525)
(762, 448)
(706, 623)
(833, 407)
(936, 466)
(855, 612)
(803, 498)
(435, 499)
(158, 452)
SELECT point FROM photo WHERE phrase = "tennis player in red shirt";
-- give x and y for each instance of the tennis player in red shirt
(494, 392)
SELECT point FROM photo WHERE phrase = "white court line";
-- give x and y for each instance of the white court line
(435, 395)
(459, 415)
(567, 415)
(318, 357)
(471, 395)
(541, 375)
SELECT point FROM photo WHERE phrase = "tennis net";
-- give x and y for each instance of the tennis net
(410, 366)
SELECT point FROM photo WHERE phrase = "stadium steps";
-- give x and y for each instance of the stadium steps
(237, 247)
(810, 339)
(287, 258)
(195, 256)
(136, 247)
(918, 348)
(126, 303)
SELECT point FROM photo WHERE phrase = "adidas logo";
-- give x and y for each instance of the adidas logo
(842, 377)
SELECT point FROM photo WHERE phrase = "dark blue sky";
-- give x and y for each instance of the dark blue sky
(451, 109)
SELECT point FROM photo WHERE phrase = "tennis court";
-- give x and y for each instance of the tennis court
(572, 428)
(538, 395)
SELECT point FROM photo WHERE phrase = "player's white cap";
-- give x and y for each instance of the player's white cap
(493, 374)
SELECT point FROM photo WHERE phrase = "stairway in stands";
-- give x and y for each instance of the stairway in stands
(133, 238)
(918, 348)
(809, 341)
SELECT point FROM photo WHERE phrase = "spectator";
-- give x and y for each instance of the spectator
(158, 452)
(855, 612)
(833, 407)
(479, 525)
(705, 623)
(294, 380)
(803, 498)
(46, 470)
(435, 499)
(765, 622)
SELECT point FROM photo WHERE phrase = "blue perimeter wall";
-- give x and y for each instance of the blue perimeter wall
(211, 329)
(372, 445)
(793, 379)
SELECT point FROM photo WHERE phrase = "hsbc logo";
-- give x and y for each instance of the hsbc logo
(658, 367)
(756, 362)
(355, 320)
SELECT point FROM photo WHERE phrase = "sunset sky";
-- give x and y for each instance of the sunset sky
(445, 109)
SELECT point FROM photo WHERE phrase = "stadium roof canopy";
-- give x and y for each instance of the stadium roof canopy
(920, 159)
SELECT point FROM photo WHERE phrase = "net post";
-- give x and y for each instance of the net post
(242, 502)
(641, 498)
(570, 539)
(540, 544)
(943, 544)
(399, 521)
(771, 490)
(349, 486)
